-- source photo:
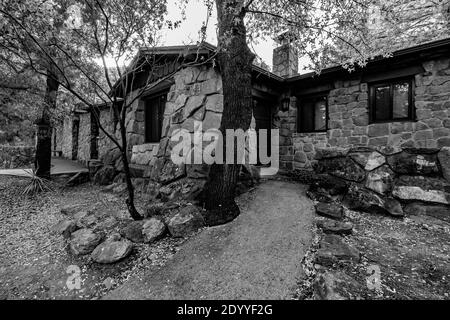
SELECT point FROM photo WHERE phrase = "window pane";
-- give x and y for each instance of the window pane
(382, 99)
(306, 117)
(401, 100)
(320, 115)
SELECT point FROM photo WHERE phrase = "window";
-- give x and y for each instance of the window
(312, 114)
(391, 101)
(154, 116)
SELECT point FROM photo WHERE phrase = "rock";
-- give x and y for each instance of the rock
(133, 231)
(65, 228)
(153, 229)
(109, 283)
(112, 251)
(334, 186)
(414, 164)
(427, 189)
(365, 200)
(105, 176)
(334, 249)
(106, 223)
(184, 189)
(153, 209)
(380, 180)
(188, 220)
(84, 241)
(171, 172)
(334, 286)
(368, 160)
(330, 210)
(320, 196)
(336, 227)
(416, 193)
(325, 153)
(435, 211)
(444, 160)
(113, 237)
(70, 210)
(344, 168)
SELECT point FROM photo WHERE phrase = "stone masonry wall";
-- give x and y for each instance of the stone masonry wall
(195, 96)
(66, 146)
(84, 138)
(348, 124)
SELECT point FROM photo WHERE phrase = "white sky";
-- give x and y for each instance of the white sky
(188, 32)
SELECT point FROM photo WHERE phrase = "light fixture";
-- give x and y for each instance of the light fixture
(285, 103)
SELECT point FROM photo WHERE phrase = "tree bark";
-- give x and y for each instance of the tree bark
(235, 62)
(126, 167)
(43, 156)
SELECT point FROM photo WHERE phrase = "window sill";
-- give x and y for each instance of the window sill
(393, 121)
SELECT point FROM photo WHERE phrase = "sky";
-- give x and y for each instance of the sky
(188, 32)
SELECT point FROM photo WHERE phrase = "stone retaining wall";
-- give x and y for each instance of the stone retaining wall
(408, 175)
(348, 111)
(12, 157)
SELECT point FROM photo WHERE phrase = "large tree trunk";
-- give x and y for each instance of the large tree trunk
(126, 167)
(235, 61)
(43, 156)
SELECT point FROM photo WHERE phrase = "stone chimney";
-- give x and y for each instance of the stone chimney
(285, 56)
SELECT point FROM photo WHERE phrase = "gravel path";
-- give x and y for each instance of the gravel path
(257, 256)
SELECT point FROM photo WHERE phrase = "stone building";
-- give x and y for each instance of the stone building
(392, 104)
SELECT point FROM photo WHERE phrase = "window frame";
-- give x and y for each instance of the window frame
(147, 108)
(391, 83)
(314, 98)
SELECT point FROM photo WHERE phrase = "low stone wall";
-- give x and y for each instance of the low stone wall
(12, 157)
(144, 153)
(400, 180)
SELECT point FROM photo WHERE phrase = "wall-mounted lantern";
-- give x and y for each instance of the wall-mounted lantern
(285, 103)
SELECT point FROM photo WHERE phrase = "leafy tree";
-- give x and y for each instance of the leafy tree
(315, 28)
(62, 41)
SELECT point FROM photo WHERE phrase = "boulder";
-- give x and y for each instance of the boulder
(65, 228)
(112, 251)
(330, 210)
(421, 209)
(133, 231)
(84, 241)
(188, 220)
(362, 199)
(414, 164)
(342, 167)
(334, 286)
(334, 186)
(184, 189)
(380, 180)
(335, 227)
(171, 172)
(105, 175)
(333, 249)
(420, 188)
(444, 160)
(153, 229)
(70, 210)
(368, 160)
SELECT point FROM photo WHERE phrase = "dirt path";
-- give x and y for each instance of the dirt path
(257, 256)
